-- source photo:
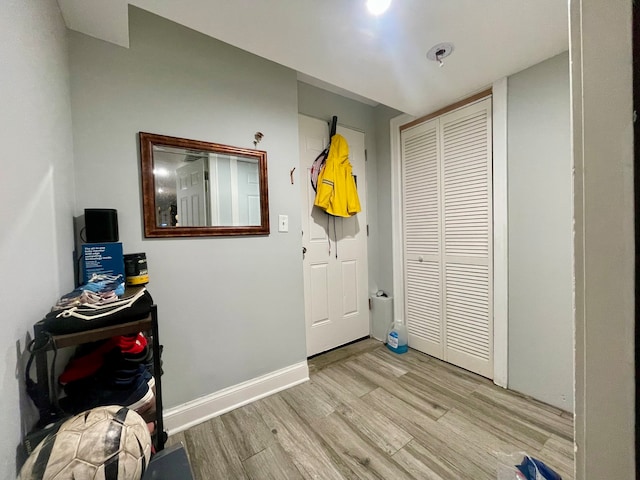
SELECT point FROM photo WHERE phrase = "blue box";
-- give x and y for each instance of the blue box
(101, 258)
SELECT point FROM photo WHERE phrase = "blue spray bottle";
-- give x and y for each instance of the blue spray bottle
(397, 338)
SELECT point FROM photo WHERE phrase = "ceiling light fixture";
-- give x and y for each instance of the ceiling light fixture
(378, 7)
(439, 52)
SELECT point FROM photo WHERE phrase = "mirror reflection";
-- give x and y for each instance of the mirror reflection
(200, 188)
(195, 188)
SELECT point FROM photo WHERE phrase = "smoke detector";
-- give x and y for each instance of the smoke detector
(439, 52)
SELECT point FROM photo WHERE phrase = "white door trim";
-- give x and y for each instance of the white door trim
(500, 237)
(397, 240)
(500, 252)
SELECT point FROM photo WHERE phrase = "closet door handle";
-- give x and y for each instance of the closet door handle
(421, 259)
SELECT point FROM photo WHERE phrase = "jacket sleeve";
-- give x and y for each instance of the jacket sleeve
(353, 202)
(326, 183)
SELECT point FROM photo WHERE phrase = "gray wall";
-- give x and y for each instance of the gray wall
(374, 122)
(36, 186)
(540, 233)
(383, 115)
(230, 309)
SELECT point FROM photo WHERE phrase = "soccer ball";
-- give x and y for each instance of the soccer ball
(105, 443)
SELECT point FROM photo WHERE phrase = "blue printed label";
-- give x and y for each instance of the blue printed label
(393, 339)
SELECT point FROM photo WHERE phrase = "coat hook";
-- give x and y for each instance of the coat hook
(257, 137)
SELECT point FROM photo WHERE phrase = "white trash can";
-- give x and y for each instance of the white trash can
(381, 316)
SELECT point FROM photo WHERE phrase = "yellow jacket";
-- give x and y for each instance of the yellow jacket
(337, 193)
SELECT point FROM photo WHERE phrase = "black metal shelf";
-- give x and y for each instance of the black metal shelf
(149, 323)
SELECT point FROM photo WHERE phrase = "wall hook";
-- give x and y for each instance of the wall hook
(257, 137)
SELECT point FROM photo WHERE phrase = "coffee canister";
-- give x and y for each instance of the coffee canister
(135, 269)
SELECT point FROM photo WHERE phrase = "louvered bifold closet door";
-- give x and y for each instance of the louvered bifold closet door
(422, 254)
(465, 137)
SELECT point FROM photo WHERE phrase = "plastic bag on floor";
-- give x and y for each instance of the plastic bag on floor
(520, 466)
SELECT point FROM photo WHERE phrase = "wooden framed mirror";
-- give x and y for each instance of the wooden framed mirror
(192, 188)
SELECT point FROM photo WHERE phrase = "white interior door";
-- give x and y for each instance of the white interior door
(468, 236)
(422, 238)
(191, 191)
(335, 262)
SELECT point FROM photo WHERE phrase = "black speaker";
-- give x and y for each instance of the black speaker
(101, 225)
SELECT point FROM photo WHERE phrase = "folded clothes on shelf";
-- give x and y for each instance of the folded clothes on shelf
(99, 290)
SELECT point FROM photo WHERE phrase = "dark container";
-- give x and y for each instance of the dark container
(135, 269)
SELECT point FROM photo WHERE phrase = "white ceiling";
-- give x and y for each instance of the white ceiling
(337, 42)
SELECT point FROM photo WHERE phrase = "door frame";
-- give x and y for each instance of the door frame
(500, 230)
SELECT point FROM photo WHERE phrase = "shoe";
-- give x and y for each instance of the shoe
(123, 348)
(86, 362)
(131, 344)
(137, 395)
(145, 357)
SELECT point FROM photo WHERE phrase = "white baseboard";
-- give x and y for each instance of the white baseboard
(192, 413)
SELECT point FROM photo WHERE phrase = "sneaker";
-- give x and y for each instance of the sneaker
(86, 363)
(131, 344)
(138, 395)
(145, 357)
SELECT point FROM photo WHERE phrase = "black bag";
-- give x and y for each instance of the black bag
(318, 163)
(135, 306)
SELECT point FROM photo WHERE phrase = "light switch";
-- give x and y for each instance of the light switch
(283, 223)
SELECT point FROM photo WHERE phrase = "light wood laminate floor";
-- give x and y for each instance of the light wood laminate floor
(368, 413)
